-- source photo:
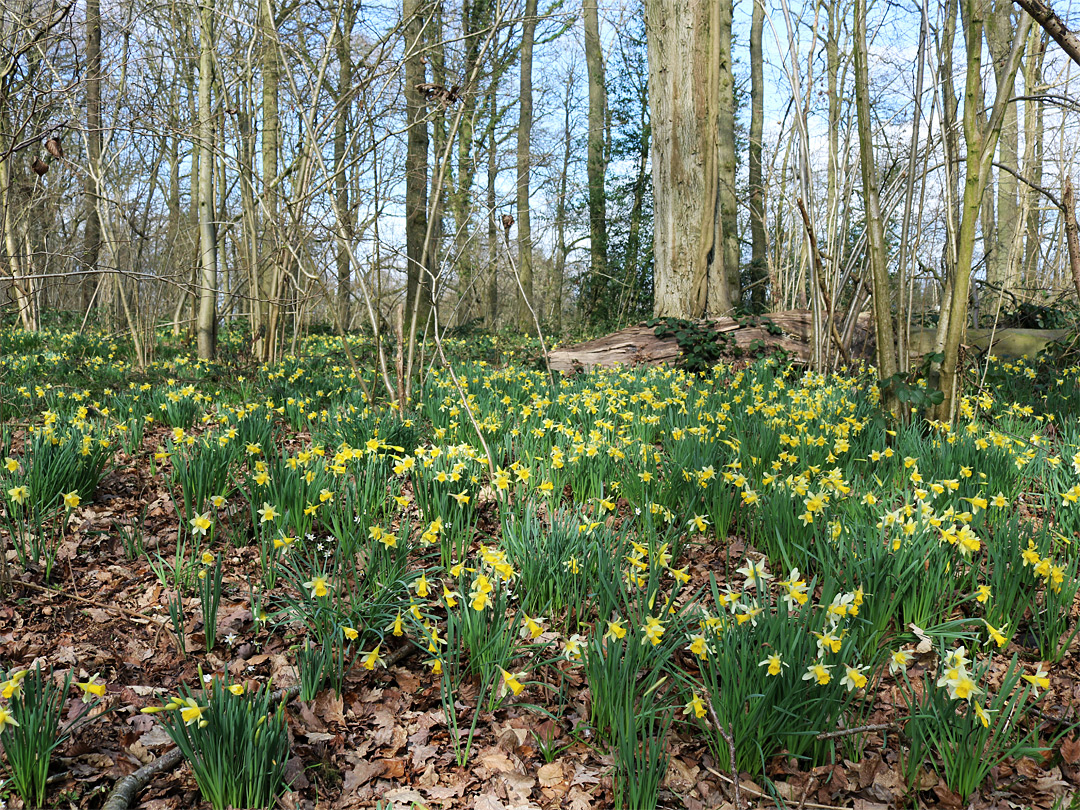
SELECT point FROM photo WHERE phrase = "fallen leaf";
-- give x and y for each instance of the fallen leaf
(550, 774)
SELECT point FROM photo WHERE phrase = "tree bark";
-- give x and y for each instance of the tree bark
(207, 320)
(1072, 231)
(684, 43)
(758, 260)
(92, 228)
(417, 287)
(875, 230)
(524, 159)
(341, 175)
(999, 33)
(981, 144)
(728, 292)
(597, 147)
(265, 305)
(1054, 26)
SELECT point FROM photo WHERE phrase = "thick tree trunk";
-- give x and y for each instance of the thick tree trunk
(524, 160)
(684, 41)
(597, 148)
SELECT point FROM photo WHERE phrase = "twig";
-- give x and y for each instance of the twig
(811, 785)
(731, 752)
(847, 732)
(757, 794)
(536, 320)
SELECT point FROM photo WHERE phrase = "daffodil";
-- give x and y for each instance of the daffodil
(652, 631)
(774, 663)
(899, 661)
(853, 678)
(267, 513)
(71, 499)
(373, 659)
(616, 631)
(319, 586)
(6, 719)
(12, 687)
(512, 682)
(695, 706)
(1040, 680)
(818, 672)
(396, 627)
(190, 710)
(91, 687)
(18, 494)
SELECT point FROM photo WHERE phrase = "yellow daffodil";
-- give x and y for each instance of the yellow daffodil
(319, 586)
(373, 659)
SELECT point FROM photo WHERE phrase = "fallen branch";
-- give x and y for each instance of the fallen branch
(731, 753)
(128, 788)
(847, 732)
(757, 794)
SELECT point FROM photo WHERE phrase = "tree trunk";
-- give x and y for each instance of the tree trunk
(92, 231)
(684, 42)
(1033, 164)
(597, 147)
(758, 260)
(875, 230)
(492, 311)
(207, 319)
(729, 286)
(417, 288)
(524, 159)
(341, 175)
(981, 144)
(999, 33)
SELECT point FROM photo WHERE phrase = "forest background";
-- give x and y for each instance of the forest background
(405, 169)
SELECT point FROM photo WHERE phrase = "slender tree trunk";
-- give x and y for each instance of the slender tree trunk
(207, 319)
(341, 176)
(999, 33)
(493, 231)
(727, 292)
(92, 231)
(597, 147)
(875, 229)
(684, 42)
(981, 144)
(758, 248)
(524, 161)
(1033, 166)
(417, 288)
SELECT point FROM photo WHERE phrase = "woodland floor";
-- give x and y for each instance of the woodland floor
(385, 738)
